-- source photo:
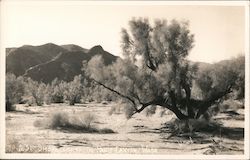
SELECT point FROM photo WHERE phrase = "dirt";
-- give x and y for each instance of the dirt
(139, 135)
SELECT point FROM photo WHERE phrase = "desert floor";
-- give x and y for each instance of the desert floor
(139, 135)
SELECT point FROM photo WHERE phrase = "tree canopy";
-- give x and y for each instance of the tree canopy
(155, 70)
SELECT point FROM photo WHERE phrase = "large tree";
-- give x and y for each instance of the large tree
(155, 70)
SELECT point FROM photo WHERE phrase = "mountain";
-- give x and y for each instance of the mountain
(73, 47)
(46, 62)
(18, 60)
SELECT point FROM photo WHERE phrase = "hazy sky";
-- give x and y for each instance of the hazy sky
(219, 30)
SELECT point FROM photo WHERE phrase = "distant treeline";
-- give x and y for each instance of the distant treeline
(25, 90)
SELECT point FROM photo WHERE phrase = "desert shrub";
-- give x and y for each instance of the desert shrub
(192, 125)
(60, 119)
(36, 91)
(129, 110)
(57, 95)
(14, 91)
(57, 91)
(230, 104)
(80, 122)
(54, 121)
(87, 119)
(73, 90)
(48, 94)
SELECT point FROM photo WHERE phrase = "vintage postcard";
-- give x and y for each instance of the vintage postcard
(124, 79)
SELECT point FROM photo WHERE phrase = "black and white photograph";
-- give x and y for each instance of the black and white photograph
(124, 79)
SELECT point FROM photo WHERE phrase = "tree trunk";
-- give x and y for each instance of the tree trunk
(178, 113)
(173, 107)
(187, 89)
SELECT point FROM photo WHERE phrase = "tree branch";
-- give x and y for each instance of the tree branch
(204, 105)
(118, 93)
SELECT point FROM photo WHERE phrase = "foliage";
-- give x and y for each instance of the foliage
(155, 71)
(36, 91)
(59, 119)
(57, 91)
(14, 91)
(190, 126)
(48, 94)
(87, 119)
(211, 80)
(79, 122)
(73, 90)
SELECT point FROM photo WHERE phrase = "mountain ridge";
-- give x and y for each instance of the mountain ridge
(49, 61)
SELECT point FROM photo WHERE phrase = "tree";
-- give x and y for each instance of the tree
(48, 94)
(57, 91)
(155, 70)
(73, 90)
(36, 91)
(14, 91)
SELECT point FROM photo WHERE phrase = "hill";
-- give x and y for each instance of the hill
(18, 60)
(47, 62)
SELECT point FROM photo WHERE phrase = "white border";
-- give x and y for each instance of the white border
(123, 156)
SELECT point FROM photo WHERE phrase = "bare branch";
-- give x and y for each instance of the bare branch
(118, 93)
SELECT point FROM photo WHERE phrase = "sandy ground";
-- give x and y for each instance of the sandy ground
(138, 135)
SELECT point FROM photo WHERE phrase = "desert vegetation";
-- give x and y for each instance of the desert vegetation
(153, 82)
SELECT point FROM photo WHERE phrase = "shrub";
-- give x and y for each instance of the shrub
(231, 104)
(88, 119)
(81, 122)
(129, 110)
(55, 121)
(48, 94)
(191, 125)
(36, 91)
(57, 91)
(60, 119)
(14, 91)
(73, 90)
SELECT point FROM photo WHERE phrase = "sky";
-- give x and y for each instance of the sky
(218, 30)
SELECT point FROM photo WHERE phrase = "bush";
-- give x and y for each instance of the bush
(60, 119)
(57, 95)
(83, 119)
(81, 122)
(14, 91)
(36, 91)
(230, 104)
(129, 110)
(48, 94)
(191, 125)
(88, 119)
(73, 90)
